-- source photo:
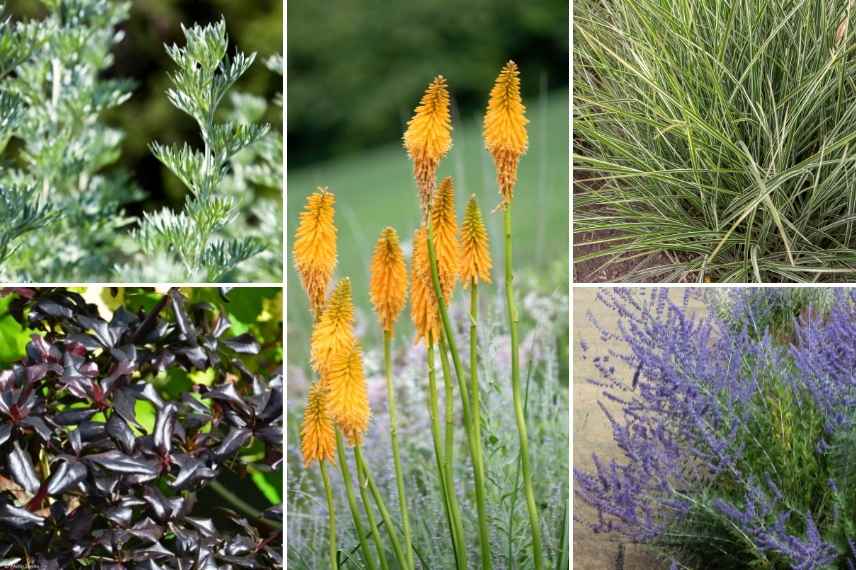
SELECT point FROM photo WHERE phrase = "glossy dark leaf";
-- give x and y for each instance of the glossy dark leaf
(38, 425)
(234, 440)
(120, 515)
(22, 470)
(195, 355)
(19, 518)
(119, 431)
(242, 344)
(99, 328)
(228, 394)
(66, 475)
(74, 417)
(147, 529)
(164, 428)
(185, 326)
(124, 404)
(5, 432)
(118, 462)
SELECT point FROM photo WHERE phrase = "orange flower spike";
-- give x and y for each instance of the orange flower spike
(388, 286)
(444, 227)
(505, 128)
(333, 333)
(423, 303)
(315, 247)
(475, 253)
(317, 438)
(429, 137)
(347, 394)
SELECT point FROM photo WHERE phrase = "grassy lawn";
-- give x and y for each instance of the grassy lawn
(376, 189)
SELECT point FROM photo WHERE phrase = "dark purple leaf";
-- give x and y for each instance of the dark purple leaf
(100, 328)
(22, 470)
(228, 394)
(155, 550)
(164, 428)
(118, 462)
(148, 392)
(185, 326)
(68, 474)
(147, 529)
(221, 325)
(38, 425)
(119, 431)
(74, 417)
(124, 404)
(191, 470)
(194, 355)
(53, 309)
(120, 515)
(242, 344)
(19, 518)
(234, 440)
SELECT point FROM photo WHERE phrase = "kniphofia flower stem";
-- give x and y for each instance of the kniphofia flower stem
(374, 533)
(352, 502)
(396, 453)
(520, 416)
(475, 455)
(484, 531)
(331, 517)
(434, 412)
(449, 453)
(366, 478)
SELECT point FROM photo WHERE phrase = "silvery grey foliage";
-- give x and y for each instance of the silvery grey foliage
(205, 73)
(61, 195)
(51, 101)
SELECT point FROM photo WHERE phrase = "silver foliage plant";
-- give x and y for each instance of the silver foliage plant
(62, 203)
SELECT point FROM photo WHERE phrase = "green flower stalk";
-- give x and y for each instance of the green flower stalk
(506, 140)
(352, 502)
(388, 290)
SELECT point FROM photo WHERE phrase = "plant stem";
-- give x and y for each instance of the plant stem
(484, 532)
(434, 409)
(352, 501)
(475, 456)
(367, 506)
(363, 467)
(396, 455)
(242, 505)
(520, 417)
(448, 460)
(331, 516)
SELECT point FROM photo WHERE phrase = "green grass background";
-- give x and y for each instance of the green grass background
(375, 189)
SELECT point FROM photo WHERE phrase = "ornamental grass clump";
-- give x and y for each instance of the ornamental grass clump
(105, 467)
(444, 253)
(735, 434)
(712, 139)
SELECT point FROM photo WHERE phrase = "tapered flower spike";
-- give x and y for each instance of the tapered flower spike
(505, 129)
(315, 247)
(423, 303)
(347, 394)
(317, 436)
(388, 287)
(475, 253)
(333, 333)
(445, 230)
(429, 137)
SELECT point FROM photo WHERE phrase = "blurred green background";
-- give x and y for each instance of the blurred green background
(356, 71)
(148, 116)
